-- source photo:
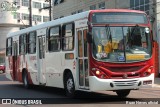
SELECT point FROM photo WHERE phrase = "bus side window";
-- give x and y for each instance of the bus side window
(9, 46)
(47, 39)
(23, 44)
(68, 36)
(85, 42)
(32, 43)
(54, 39)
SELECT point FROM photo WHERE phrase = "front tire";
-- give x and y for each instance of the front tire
(123, 93)
(69, 85)
(25, 80)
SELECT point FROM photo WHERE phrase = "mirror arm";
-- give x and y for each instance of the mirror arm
(89, 37)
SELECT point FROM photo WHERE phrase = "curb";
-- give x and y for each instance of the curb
(156, 85)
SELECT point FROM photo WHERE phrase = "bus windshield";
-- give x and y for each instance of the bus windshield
(121, 44)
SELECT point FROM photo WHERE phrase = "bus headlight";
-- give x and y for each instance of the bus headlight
(98, 73)
(147, 72)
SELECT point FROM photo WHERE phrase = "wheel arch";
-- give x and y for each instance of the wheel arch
(69, 83)
(66, 71)
(24, 70)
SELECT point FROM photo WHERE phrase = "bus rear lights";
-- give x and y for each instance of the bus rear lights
(147, 82)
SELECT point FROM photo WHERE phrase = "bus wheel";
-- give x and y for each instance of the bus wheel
(69, 85)
(25, 80)
(123, 93)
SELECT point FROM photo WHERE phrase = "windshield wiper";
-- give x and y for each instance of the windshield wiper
(108, 33)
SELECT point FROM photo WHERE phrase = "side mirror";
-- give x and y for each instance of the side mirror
(89, 37)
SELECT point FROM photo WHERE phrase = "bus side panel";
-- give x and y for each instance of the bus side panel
(23, 65)
(18, 65)
(69, 64)
(31, 65)
(9, 71)
(54, 75)
(158, 45)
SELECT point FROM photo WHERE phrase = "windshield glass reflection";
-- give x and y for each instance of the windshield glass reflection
(121, 44)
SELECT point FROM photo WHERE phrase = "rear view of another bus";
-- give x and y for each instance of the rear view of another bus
(121, 51)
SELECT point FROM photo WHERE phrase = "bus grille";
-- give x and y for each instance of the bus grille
(136, 75)
(124, 69)
(125, 83)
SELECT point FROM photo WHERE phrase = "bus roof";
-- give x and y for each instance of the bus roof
(118, 10)
(67, 19)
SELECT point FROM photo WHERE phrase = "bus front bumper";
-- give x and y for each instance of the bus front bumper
(97, 84)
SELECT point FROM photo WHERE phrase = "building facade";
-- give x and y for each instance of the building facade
(63, 8)
(14, 15)
(70, 7)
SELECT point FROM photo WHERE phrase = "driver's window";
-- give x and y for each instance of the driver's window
(102, 39)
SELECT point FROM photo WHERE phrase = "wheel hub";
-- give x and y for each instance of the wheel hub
(69, 85)
(25, 81)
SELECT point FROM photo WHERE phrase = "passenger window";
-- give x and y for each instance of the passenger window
(9, 47)
(47, 40)
(54, 39)
(32, 43)
(85, 43)
(68, 37)
(22, 44)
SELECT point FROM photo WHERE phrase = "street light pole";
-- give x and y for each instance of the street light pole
(50, 18)
(50, 9)
(30, 12)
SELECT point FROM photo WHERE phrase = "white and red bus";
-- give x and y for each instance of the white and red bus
(96, 50)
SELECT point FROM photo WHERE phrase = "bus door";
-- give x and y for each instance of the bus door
(41, 59)
(15, 57)
(82, 58)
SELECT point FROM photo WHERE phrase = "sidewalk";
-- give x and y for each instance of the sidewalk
(157, 82)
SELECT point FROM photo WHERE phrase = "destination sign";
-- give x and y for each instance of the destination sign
(119, 18)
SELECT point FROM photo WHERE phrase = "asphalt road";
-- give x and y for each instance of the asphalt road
(50, 95)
